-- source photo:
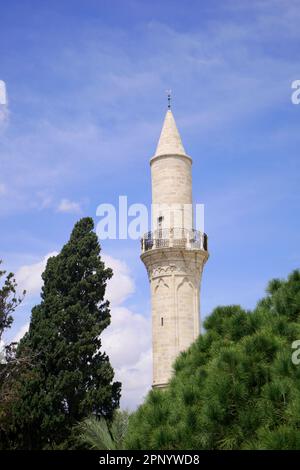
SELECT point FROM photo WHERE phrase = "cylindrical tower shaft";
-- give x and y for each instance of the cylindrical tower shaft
(173, 253)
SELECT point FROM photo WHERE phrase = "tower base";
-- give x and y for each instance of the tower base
(175, 276)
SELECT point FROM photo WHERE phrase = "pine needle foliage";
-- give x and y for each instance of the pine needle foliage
(236, 387)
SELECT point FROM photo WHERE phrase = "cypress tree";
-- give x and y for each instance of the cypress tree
(70, 378)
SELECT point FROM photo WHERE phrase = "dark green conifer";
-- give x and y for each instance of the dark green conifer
(70, 377)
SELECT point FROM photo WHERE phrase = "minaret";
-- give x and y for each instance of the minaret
(173, 253)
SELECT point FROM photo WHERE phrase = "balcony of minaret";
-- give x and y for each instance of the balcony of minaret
(174, 238)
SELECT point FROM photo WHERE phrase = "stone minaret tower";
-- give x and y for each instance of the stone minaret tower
(173, 253)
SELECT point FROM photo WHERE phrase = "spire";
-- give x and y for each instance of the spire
(169, 142)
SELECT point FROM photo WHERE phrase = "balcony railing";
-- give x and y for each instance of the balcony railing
(176, 238)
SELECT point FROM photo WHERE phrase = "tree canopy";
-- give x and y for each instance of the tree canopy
(236, 387)
(9, 300)
(9, 367)
(70, 377)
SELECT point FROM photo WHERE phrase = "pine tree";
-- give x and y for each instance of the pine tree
(70, 378)
(236, 387)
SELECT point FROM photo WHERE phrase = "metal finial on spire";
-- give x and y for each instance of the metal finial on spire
(169, 98)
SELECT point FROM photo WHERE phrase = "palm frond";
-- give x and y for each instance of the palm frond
(95, 434)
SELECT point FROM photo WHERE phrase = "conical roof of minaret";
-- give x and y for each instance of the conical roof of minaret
(169, 142)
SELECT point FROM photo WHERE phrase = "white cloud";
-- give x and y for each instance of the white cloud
(20, 333)
(3, 103)
(127, 337)
(44, 200)
(3, 115)
(29, 277)
(2, 352)
(68, 206)
(121, 285)
(3, 99)
(127, 341)
(136, 381)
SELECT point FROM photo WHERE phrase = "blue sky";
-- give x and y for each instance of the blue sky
(86, 85)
